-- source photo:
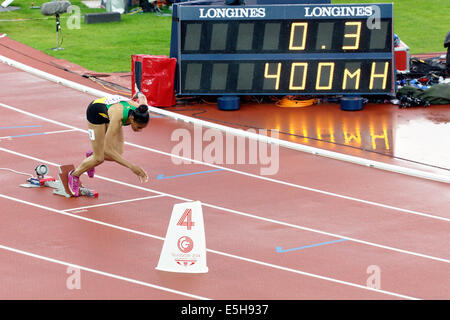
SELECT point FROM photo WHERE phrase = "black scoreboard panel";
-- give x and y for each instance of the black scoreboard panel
(286, 50)
(284, 37)
(287, 76)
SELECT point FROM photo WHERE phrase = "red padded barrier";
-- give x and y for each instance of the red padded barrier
(154, 76)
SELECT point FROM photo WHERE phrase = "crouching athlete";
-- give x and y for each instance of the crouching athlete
(106, 118)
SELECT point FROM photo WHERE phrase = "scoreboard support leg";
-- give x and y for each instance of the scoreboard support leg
(352, 103)
(228, 103)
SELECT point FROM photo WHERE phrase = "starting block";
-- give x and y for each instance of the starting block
(63, 189)
(60, 186)
(41, 181)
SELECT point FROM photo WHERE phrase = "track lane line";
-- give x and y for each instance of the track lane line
(258, 262)
(103, 273)
(35, 134)
(243, 213)
(262, 138)
(114, 202)
(289, 184)
(21, 127)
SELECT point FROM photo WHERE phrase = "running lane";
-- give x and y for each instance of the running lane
(381, 217)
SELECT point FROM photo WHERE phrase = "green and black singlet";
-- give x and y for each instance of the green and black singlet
(97, 111)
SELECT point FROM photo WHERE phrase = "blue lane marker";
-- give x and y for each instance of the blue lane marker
(280, 249)
(161, 176)
(21, 127)
(28, 135)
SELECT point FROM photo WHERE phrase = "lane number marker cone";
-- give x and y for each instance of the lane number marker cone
(184, 248)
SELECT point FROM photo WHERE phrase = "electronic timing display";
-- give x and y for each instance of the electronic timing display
(284, 49)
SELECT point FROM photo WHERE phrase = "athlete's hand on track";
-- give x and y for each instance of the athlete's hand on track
(143, 177)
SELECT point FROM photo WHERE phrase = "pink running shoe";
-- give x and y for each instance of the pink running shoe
(91, 171)
(74, 184)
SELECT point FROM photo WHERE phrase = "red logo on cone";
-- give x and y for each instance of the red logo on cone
(185, 244)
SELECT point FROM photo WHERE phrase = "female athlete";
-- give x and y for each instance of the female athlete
(106, 118)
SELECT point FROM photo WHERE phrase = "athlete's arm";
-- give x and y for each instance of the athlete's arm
(112, 134)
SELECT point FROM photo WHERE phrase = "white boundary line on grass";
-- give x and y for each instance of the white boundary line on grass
(240, 172)
(269, 265)
(290, 225)
(238, 132)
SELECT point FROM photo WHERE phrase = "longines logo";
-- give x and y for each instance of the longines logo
(232, 13)
(364, 11)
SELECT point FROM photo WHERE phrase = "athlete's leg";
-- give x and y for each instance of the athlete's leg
(91, 171)
(97, 136)
(118, 144)
(96, 115)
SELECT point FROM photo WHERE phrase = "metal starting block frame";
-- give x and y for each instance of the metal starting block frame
(60, 186)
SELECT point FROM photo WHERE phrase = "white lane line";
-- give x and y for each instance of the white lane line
(245, 214)
(238, 132)
(269, 265)
(377, 204)
(114, 202)
(106, 274)
(293, 185)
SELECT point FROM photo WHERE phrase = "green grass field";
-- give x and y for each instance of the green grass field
(103, 47)
(107, 47)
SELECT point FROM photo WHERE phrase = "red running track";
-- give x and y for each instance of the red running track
(375, 219)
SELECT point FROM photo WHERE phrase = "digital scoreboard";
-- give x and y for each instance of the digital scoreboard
(283, 49)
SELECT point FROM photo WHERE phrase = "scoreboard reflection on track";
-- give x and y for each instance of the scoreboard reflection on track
(283, 49)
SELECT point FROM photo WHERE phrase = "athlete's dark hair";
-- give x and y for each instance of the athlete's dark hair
(140, 114)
